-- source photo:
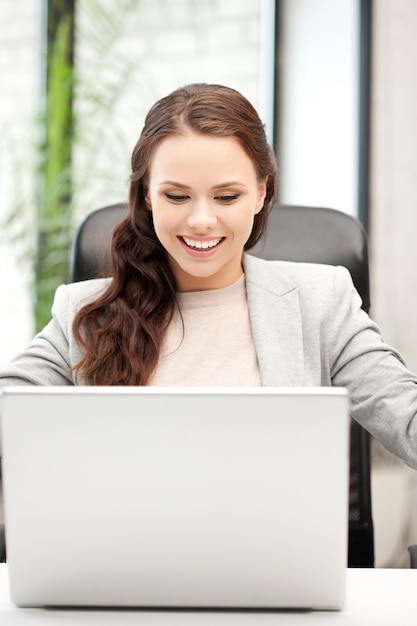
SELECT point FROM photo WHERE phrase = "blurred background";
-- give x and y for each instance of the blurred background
(334, 82)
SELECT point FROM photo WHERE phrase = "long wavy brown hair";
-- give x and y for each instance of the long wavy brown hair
(121, 331)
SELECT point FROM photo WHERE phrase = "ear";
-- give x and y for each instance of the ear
(261, 195)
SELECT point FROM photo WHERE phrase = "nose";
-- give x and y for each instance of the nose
(202, 217)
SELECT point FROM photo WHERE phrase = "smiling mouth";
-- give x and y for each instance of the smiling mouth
(196, 244)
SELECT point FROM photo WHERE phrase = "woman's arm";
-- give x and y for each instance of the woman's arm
(53, 352)
(44, 362)
(383, 391)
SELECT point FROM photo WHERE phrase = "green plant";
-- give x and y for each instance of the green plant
(54, 214)
(43, 218)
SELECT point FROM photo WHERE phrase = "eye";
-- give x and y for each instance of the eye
(227, 198)
(175, 197)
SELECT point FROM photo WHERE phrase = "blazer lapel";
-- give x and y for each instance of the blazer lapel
(274, 311)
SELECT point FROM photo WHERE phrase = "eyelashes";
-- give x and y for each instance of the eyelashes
(228, 198)
(181, 198)
(177, 198)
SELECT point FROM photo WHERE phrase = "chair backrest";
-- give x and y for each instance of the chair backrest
(295, 233)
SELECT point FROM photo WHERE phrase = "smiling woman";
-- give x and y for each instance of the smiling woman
(185, 305)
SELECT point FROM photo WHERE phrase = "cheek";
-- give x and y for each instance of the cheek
(163, 220)
(242, 225)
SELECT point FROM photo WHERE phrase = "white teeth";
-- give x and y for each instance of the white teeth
(202, 245)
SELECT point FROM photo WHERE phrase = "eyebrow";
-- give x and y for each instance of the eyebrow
(174, 184)
(229, 183)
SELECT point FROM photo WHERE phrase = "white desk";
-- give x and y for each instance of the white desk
(374, 597)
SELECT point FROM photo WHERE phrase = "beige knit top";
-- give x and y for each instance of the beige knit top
(212, 344)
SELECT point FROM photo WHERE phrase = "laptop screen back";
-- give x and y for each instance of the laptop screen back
(176, 497)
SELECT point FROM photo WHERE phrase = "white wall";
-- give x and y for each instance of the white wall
(318, 138)
(393, 224)
(394, 174)
(19, 45)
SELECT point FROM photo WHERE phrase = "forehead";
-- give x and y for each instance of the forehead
(193, 152)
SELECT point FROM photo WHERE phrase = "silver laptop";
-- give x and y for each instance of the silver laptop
(163, 497)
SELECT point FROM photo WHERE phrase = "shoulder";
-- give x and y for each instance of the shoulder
(317, 293)
(283, 276)
(69, 298)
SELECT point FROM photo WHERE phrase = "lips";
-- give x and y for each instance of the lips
(198, 244)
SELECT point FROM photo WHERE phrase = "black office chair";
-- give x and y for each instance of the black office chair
(2, 537)
(413, 556)
(2, 544)
(294, 234)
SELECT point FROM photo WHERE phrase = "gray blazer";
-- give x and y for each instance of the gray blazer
(308, 328)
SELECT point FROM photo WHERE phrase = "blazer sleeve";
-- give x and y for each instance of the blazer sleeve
(53, 351)
(383, 391)
(46, 361)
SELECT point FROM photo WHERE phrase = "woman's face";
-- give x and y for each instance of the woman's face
(204, 194)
